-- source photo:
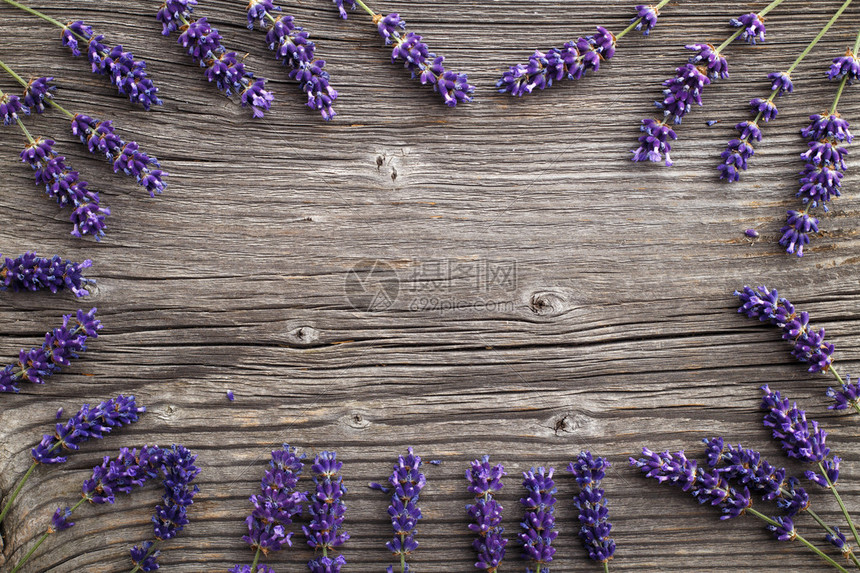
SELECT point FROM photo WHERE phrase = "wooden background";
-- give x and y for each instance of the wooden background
(619, 331)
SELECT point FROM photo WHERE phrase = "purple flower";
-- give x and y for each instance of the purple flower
(141, 556)
(203, 44)
(706, 486)
(38, 90)
(654, 143)
(800, 438)
(827, 126)
(423, 64)
(647, 16)
(784, 529)
(31, 272)
(682, 91)
(738, 151)
(709, 57)
(60, 520)
(753, 26)
(247, 569)
(293, 48)
(847, 395)
(178, 471)
(259, 10)
(325, 531)
(798, 227)
(121, 474)
(830, 476)
(10, 107)
(88, 423)
(63, 184)
(780, 83)
(127, 74)
(838, 540)
(766, 108)
(485, 481)
(406, 481)
(342, 5)
(278, 503)
(539, 519)
(847, 66)
(571, 62)
(61, 345)
(230, 395)
(99, 136)
(591, 502)
(809, 345)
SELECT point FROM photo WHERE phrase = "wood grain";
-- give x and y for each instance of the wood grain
(618, 332)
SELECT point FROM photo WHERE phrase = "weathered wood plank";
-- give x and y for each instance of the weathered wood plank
(618, 332)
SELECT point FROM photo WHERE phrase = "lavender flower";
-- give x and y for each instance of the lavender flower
(682, 91)
(31, 272)
(654, 143)
(847, 395)
(99, 136)
(406, 481)
(325, 531)
(342, 4)
(293, 48)
(706, 486)
(126, 73)
(768, 306)
(88, 423)
(798, 227)
(10, 107)
(37, 91)
(178, 471)
(780, 82)
(784, 529)
(647, 16)
(247, 569)
(60, 521)
(278, 504)
(423, 64)
(485, 481)
(144, 557)
(203, 43)
(63, 184)
(61, 345)
(847, 66)
(572, 61)
(591, 502)
(539, 519)
(120, 474)
(838, 540)
(753, 27)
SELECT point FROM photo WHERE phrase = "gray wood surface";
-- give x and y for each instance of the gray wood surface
(619, 330)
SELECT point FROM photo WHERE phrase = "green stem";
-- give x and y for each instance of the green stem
(829, 530)
(365, 8)
(29, 138)
(635, 22)
(402, 555)
(800, 538)
(24, 83)
(256, 559)
(740, 30)
(15, 493)
(606, 567)
(838, 497)
(44, 535)
(820, 35)
(37, 13)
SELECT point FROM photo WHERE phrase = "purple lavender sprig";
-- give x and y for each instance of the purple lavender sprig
(88, 423)
(127, 74)
(293, 48)
(420, 61)
(683, 91)
(325, 531)
(30, 272)
(10, 107)
(595, 528)
(571, 62)
(809, 345)
(203, 43)
(539, 519)
(65, 186)
(100, 137)
(485, 481)
(406, 481)
(36, 93)
(60, 346)
(805, 441)
(278, 504)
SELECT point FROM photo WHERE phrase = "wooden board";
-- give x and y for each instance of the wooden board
(617, 331)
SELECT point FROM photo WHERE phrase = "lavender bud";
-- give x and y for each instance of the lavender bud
(591, 502)
(30, 272)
